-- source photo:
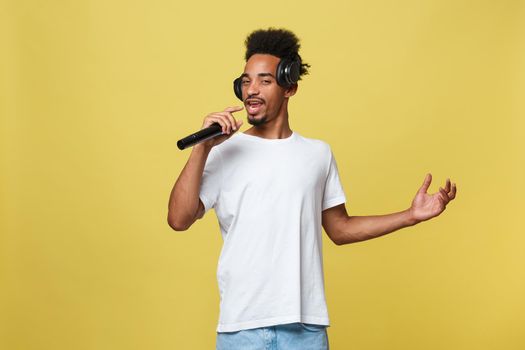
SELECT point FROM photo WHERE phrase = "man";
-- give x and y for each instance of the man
(272, 190)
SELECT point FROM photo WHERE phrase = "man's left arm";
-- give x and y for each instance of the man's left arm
(344, 229)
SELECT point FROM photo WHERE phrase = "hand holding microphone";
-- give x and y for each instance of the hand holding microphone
(216, 128)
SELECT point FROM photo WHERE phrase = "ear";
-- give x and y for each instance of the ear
(291, 90)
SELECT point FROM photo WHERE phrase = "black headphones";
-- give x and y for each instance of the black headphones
(288, 72)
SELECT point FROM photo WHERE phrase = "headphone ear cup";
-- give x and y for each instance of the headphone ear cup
(294, 72)
(237, 88)
(288, 72)
(280, 74)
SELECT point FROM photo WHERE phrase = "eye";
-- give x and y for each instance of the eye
(245, 82)
(266, 81)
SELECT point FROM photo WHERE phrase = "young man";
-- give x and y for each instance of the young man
(272, 190)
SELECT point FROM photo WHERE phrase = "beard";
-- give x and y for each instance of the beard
(256, 122)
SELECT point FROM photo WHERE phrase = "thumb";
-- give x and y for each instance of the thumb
(239, 123)
(426, 184)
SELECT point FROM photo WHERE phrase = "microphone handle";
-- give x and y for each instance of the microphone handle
(204, 134)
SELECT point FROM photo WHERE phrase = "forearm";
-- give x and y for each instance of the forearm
(184, 197)
(361, 228)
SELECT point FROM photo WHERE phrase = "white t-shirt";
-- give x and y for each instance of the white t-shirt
(268, 195)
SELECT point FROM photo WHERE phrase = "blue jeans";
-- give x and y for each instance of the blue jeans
(291, 336)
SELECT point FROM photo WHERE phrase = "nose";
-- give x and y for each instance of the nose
(253, 88)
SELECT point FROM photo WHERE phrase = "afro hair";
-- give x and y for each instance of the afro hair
(281, 43)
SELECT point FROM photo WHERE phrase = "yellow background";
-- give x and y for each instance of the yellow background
(95, 94)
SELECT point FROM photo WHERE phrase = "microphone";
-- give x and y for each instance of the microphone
(204, 134)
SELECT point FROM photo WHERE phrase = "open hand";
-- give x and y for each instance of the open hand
(426, 206)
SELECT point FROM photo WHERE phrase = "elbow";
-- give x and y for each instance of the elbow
(177, 225)
(337, 239)
(346, 234)
(342, 239)
(181, 220)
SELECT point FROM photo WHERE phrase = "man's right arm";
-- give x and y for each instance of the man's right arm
(184, 206)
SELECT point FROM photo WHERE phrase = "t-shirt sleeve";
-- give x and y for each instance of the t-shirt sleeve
(333, 191)
(211, 179)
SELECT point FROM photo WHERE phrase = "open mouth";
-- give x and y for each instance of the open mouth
(253, 106)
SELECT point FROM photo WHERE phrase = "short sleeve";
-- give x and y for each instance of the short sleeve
(333, 191)
(211, 179)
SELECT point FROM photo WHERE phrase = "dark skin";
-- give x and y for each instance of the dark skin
(344, 229)
(266, 105)
(270, 119)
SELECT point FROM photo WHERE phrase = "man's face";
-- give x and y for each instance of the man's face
(262, 96)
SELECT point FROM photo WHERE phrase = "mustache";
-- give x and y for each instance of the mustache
(254, 99)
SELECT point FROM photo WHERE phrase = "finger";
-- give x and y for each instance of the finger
(210, 120)
(218, 119)
(426, 184)
(233, 109)
(235, 124)
(453, 191)
(225, 118)
(447, 186)
(239, 123)
(231, 120)
(444, 195)
(213, 118)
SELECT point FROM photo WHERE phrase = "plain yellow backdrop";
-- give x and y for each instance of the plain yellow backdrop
(95, 94)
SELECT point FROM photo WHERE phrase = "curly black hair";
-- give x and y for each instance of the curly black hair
(281, 43)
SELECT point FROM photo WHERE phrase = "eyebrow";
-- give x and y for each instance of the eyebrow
(245, 75)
